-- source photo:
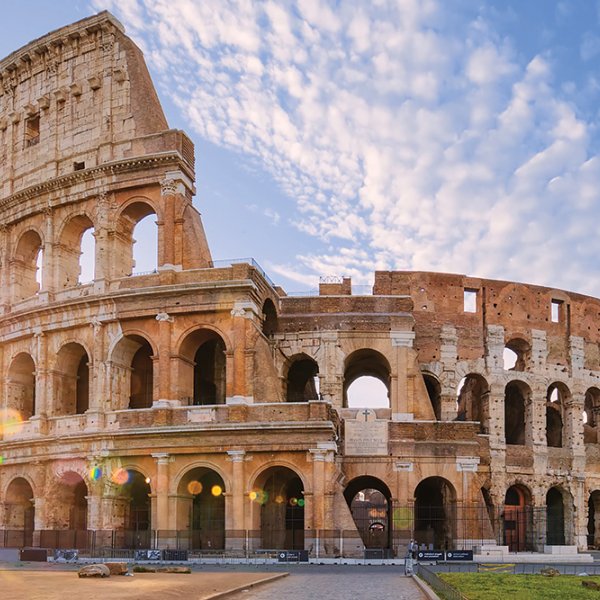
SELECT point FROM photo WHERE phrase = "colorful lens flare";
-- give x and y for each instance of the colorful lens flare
(259, 496)
(120, 476)
(194, 488)
(10, 420)
(95, 473)
(1, 460)
(216, 490)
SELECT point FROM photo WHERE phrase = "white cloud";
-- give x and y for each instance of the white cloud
(409, 133)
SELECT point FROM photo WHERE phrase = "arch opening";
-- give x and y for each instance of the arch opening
(20, 392)
(142, 376)
(555, 518)
(472, 401)
(302, 380)
(137, 243)
(76, 252)
(434, 391)
(202, 493)
(369, 500)
(517, 355)
(280, 493)
(518, 519)
(435, 500)
(27, 266)
(269, 324)
(367, 380)
(137, 516)
(72, 380)
(19, 516)
(516, 395)
(590, 415)
(593, 525)
(555, 399)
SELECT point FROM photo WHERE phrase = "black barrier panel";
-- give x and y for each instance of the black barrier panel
(34, 554)
(459, 554)
(430, 555)
(177, 555)
(292, 556)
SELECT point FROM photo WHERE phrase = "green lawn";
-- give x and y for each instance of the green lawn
(503, 586)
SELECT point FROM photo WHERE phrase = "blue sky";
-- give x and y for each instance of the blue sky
(336, 138)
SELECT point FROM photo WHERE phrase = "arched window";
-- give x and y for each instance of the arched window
(27, 263)
(516, 395)
(137, 242)
(202, 370)
(76, 252)
(269, 318)
(472, 400)
(555, 401)
(19, 514)
(434, 391)
(367, 380)
(302, 380)
(20, 391)
(517, 355)
(72, 380)
(590, 416)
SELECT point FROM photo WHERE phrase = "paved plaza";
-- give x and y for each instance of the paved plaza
(335, 582)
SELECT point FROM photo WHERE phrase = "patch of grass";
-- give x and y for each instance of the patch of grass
(504, 586)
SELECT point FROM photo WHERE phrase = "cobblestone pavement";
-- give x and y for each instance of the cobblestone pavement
(337, 582)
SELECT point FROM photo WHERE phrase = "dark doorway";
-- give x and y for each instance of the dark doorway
(434, 513)
(555, 518)
(518, 519)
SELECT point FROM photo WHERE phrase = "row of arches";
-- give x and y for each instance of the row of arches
(472, 404)
(75, 257)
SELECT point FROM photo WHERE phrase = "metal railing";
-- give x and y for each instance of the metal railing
(439, 586)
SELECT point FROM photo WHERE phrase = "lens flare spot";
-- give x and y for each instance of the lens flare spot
(194, 487)
(95, 473)
(1, 460)
(216, 490)
(293, 501)
(10, 420)
(259, 496)
(301, 502)
(147, 480)
(279, 499)
(120, 476)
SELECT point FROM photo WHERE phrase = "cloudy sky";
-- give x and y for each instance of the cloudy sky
(336, 138)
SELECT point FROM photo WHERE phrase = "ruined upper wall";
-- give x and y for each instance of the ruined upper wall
(76, 98)
(439, 300)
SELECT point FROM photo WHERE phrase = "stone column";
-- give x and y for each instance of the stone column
(50, 264)
(160, 521)
(236, 381)
(237, 523)
(401, 398)
(162, 375)
(43, 383)
(5, 300)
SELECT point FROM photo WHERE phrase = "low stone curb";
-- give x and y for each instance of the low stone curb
(425, 588)
(239, 588)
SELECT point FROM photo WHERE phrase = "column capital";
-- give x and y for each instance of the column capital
(162, 458)
(236, 455)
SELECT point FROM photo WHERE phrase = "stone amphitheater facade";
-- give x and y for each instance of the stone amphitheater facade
(200, 407)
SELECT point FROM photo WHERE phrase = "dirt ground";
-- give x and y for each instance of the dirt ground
(45, 585)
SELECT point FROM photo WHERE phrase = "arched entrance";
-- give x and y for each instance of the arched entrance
(72, 380)
(20, 386)
(202, 491)
(280, 494)
(68, 520)
(555, 518)
(367, 375)
(434, 391)
(594, 520)
(516, 397)
(302, 379)
(518, 519)
(136, 490)
(19, 514)
(472, 401)
(369, 500)
(435, 518)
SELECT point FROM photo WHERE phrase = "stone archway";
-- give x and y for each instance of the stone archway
(555, 518)
(201, 508)
(435, 518)
(518, 519)
(19, 514)
(279, 492)
(593, 528)
(369, 500)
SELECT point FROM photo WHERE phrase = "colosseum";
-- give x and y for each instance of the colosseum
(198, 407)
